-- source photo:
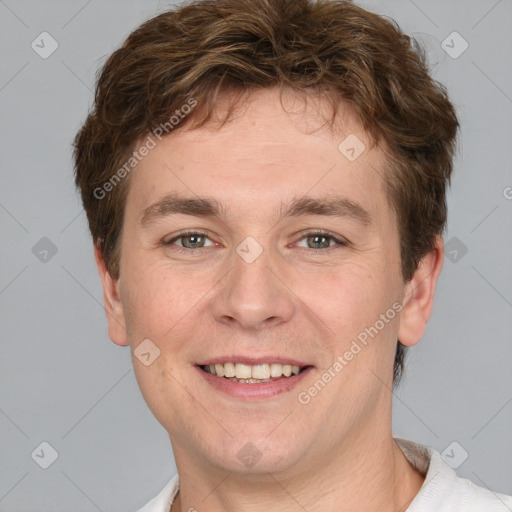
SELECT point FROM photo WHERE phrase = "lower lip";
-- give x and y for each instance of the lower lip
(254, 391)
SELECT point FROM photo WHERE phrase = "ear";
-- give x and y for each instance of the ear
(419, 296)
(113, 307)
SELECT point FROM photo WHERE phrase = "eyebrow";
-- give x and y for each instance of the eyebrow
(174, 204)
(332, 205)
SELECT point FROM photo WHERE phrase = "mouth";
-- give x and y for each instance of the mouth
(258, 381)
(253, 374)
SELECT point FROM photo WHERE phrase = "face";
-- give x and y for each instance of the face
(262, 244)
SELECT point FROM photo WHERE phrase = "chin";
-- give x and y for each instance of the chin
(253, 454)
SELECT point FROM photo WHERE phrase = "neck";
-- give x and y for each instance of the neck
(366, 473)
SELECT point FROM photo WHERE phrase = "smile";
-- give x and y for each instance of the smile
(252, 374)
(253, 381)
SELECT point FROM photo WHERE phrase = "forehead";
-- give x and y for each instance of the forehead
(273, 149)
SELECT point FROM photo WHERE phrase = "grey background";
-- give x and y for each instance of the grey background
(62, 381)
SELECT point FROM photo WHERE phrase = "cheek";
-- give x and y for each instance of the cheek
(160, 301)
(351, 296)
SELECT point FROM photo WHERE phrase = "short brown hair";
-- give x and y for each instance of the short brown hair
(206, 47)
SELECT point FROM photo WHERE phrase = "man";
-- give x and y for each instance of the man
(265, 182)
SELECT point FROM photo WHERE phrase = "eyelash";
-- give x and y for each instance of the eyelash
(340, 242)
(183, 234)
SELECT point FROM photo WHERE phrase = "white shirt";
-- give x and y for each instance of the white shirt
(442, 490)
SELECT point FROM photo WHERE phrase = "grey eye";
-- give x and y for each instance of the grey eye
(193, 241)
(318, 241)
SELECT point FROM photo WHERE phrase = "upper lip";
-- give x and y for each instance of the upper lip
(253, 361)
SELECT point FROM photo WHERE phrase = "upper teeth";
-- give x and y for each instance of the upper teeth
(258, 371)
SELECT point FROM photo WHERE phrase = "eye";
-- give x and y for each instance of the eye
(318, 240)
(190, 240)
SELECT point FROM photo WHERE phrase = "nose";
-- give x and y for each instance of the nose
(253, 296)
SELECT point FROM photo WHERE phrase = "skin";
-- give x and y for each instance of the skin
(337, 451)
